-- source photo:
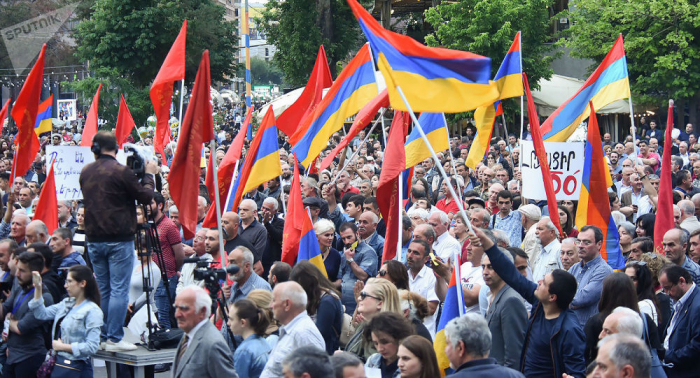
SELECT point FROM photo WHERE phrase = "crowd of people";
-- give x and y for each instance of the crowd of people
(539, 303)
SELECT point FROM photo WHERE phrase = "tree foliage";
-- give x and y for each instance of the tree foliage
(113, 85)
(262, 72)
(297, 29)
(661, 43)
(133, 37)
(488, 27)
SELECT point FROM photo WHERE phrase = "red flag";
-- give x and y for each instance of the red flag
(363, 118)
(197, 128)
(320, 79)
(664, 207)
(3, 114)
(125, 123)
(47, 206)
(24, 113)
(291, 236)
(172, 70)
(90, 128)
(541, 156)
(388, 196)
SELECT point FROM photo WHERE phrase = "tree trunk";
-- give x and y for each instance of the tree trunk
(324, 22)
(693, 111)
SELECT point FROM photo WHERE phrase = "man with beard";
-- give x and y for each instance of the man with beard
(421, 279)
(286, 175)
(367, 229)
(229, 225)
(26, 349)
(187, 273)
(615, 163)
(273, 189)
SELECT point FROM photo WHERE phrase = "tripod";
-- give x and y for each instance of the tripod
(148, 244)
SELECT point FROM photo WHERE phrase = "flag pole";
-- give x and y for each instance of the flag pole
(633, 130)
(522, 117)
(399, 247)
(347, 161)
(284, 207)
(454, 168)
(435, 158)
(182, 99)
(212, 147)
(512, 163)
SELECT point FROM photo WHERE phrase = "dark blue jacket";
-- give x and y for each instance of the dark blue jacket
(485, 368)
(684, 344)
(567, 342)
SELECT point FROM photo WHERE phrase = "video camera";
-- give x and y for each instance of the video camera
(136, 158)
(210, 276)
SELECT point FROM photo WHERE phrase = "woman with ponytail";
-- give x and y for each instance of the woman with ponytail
(250, 322)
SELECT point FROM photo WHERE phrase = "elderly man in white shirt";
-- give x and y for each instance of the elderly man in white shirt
(548, 259)
(289, 308)
(531, 214)
(445, 245)
(421, 279)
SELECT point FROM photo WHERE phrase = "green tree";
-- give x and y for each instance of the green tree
(134, 36)
(298, 27)
(262, 72)
(113, 85)
(487, 27)
(661, 43)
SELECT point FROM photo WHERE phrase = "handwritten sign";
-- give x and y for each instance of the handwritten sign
(69, 162)
(565, 163)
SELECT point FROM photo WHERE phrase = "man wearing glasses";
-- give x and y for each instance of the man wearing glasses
(682, 336)
(589, 273)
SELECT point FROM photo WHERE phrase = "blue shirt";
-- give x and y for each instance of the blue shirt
(253, 282)
(538, 358)
(590, 285)
(75, 258)
(512, 226)
(251, 356)
(692, 268)
(365, 258)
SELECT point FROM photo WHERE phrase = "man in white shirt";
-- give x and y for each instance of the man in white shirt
(421, 279)
(445, 245)
(548, 259)
(289, 308)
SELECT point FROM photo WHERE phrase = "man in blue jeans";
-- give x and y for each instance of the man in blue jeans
(110, 192)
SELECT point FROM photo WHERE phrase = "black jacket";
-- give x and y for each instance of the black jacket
(110, 190)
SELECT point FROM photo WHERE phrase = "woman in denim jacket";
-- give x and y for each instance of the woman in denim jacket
(249, 321)
(80, 319)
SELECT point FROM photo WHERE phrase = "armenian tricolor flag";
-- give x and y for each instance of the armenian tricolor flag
(262, 162)
(593, 204)
(432, 79)
(452, 309)
(510, 84)
(308, 245)
(609, 83)
(43, 123)
(354, 88)
(435, 128)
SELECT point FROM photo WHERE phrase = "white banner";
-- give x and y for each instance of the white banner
(70, 161)
(566, 164)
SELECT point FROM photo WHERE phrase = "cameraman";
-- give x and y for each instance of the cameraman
(111, 190)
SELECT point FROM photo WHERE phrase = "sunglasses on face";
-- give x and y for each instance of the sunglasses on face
(382, 273)
(364, 295)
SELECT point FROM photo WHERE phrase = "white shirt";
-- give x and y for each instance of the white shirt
(530, 244)
(446, 246)
(470, 276)
(301, 331)
(548, 260)
(674, 319)
(424, 284)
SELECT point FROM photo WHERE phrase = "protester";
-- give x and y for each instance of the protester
(347, 365)
(250, 322)
(385, 331)
(307, 361)
(76, 322)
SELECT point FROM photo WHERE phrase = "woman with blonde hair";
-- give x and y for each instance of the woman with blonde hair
(325, 233)
(263, 299)
(378, 295)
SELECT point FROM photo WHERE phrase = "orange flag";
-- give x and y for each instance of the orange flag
(90, 128)
(197, 128)
(125, 123)
(172, 70)
(47, 206)
(24, 113)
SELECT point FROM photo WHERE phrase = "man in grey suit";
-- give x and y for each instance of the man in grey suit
(202, 352)
(506, 317)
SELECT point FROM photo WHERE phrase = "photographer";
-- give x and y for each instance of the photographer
(110, 190)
